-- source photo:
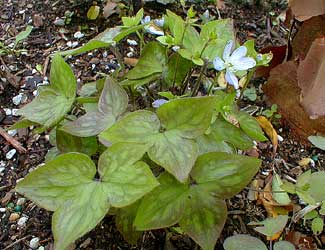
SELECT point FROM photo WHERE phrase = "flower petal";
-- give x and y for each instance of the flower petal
(227, 50)
(244, 63)
(232, 79)
(157, 103)
(154, 30)
(218, 64)
(159, 22)
(146, 20)
(238, 54)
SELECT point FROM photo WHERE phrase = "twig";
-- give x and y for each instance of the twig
(12, 141)
(16, 242)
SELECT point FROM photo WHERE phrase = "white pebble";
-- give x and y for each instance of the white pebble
(17, 99)
(2, 164)
(93, 66)
(14, 112)
(21, 201)
(12, 132)
(22, 221)
(280, 138)
(3, 209)
(1, 169)
(132, 42)
(11, 153)
(34, 243)
(34, 71)
(105, 54)
(35, 92)
(78, 35)
(41, 248)
(8, 111)
(72, 44)
(130, 54)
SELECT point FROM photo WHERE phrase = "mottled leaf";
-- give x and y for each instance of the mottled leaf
(244, 242)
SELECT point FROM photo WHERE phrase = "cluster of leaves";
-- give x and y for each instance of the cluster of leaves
(157, 168)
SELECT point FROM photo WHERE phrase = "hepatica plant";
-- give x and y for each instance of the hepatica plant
(166, 157)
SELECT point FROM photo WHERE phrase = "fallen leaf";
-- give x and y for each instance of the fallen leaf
(311, 75)
(37, 20)
(267, 126)
(282, 89)
(304, 162)
(220, 4)
(304, 10)
(109, 8)
(318, 141)
(130, 61)
(301, 241)
(93, 12)
(278, 194)
(306, 35)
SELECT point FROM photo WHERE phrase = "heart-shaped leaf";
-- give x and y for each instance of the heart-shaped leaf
(66, 186)
(243, 242)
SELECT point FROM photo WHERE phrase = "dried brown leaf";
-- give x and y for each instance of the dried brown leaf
(304, 10)
(311, 75)
(267, 126)
(109, 9)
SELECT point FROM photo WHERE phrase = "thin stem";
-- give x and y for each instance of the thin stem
(187, 81)
(198, 81)
(150, 94)
(141, 40)
(176, 69)
(132, 97)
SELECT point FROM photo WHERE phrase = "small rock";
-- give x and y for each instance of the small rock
(34, 243)
(8, 111)
(72, 44)
(280, 138)
(18, 208)
(3, 209)
(12, 132)
(1, 169)
(41, 248)
(129, 54)
(22, 221)
(14, 217)
(14, 112)
(78, 35)
(17, 99)
(11, 153)
(59, 22)
(21, 201)
(132, 42)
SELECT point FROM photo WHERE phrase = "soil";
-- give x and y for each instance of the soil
(251, 22)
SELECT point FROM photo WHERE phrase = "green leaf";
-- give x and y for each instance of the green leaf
(250, 94)
(51, 154)
(289, 187)
(207, 143)
(283, 245)
(66, 185)
(311, 215)
(225, 131)
(68, 143)
(244, 242)
(124, 223)
(204, 218)
(93, 12)
(261, 59)
(144, 125)
(53, 101)
(142, 81)
(221, 29)
(317, 225)
(78, 216)
(23, 35)
(190, 116)
(317, 141)
(152, 60)
(23, 123)
(112, 103)
(176, 25)
(162, 207)
(133, 21)
(177, 69)
(278, 194)
(105, 39)
(316, 182)
(224, 174)
(271, 226)
(174, 153)
(250, 126)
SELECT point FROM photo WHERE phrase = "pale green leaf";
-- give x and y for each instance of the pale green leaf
(190, 116)
(244, 242)
(283, 245)
(133, 21)
(221, 29)
(207, 143)
(174, 153)
(93, 12)
(138, 126)
(164, 206)
(48, 185)
(317, 225)
(204, 218)
(317, 141)
(250, 126)
(270, 226)
(152, 60)
(224, 174)
(76, 217)
(23, 35)
(278, 194)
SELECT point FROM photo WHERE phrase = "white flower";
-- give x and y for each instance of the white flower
(157, 103)
(159, 22)
(153, 28)
(233, 62)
